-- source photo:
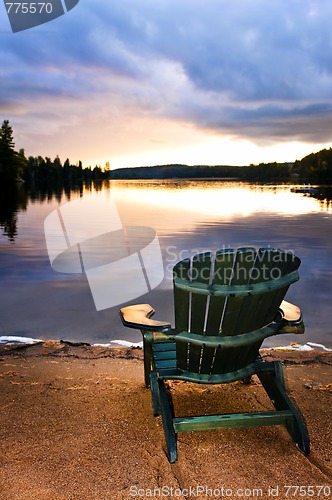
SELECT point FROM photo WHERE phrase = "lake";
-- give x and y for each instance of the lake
(188, 217)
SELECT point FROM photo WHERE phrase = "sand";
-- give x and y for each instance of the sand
(77, 423)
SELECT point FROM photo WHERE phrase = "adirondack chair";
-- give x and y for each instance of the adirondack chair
(226, 304)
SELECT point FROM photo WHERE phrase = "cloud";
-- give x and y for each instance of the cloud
(252, 70)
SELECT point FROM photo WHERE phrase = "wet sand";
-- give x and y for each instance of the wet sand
(77, 423)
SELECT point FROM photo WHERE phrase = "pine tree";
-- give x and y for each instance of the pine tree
(9, 164)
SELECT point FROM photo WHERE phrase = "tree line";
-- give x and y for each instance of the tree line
(12, 163)
(314, 168)
(45, 170)
(277, 172)
(14, 166)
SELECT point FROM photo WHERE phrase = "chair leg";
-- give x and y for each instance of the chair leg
(247, 380)
(155, 394)
(167, 419)
(273, 383)
(279, 373)
(147, 359)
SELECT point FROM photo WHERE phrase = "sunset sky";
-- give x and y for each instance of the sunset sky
(145, 82)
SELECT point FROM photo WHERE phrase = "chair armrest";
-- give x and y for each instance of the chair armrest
(291, 318)
(138, 316)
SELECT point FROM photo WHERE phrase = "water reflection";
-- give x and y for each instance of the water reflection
(220, 199)
(324, 196)
(63, 192)
(188, 216)
(13, 198)
(208, 200)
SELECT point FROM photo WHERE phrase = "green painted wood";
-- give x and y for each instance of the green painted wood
(181, 297)
(165, 363)
(267, 267)
(276, 391)
(228, 421)
(190, 356)
(182, 355)
(182, 306)
(279, 374)
(261, 309)
(164, 346)
(290, 265)
(249, 270)
(277, 267)
(147, 353)
(252, 315)
(235, 358)
(220, 323)
(202, 378)
(244, 261)
(236, 290)
(155, 393)
(222, 273)
(207, 359)
(228, 341)
(193, 358)
(167, 418)
(165, 355)
(201, 273)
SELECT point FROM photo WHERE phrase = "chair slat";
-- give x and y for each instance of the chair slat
(235, 358)
(165, 363)
(170, 354)
(194, 357)
(200, 271)
(207, 359)
(222, 273)
(290, 264)
(163, 346)
(181, 297)
(254, 419)
(254, 308)
(244, 261)
(182, 355)
(274, 264)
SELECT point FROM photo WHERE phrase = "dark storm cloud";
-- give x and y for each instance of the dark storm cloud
(256, 69)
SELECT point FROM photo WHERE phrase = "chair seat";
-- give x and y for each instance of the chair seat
(165, 364)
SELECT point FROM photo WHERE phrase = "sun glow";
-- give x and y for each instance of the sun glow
(222, 201)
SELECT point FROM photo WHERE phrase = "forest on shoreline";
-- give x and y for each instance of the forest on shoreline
(15, 166)
(315, 168)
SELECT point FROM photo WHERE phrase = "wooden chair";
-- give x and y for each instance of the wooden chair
(226, 304)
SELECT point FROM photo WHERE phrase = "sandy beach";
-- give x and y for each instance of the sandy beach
(77, 423)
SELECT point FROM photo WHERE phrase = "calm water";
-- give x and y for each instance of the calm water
(188, 216)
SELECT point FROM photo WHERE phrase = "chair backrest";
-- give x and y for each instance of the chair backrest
(229, 293)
